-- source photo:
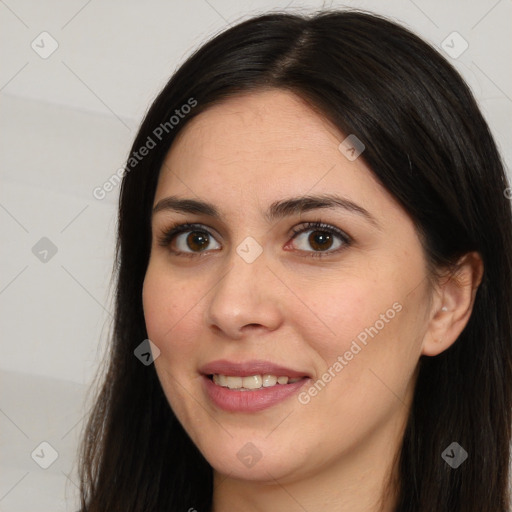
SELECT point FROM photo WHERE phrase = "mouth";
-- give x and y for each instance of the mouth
(252, 382)
(250, 386)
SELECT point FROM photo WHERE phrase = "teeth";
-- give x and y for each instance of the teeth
(252, 381)
(269, 380)
(234, 382)
(221, 380)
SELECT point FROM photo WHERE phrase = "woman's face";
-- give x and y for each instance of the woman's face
(241, 294)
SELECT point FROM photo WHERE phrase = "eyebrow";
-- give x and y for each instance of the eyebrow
(277, 210)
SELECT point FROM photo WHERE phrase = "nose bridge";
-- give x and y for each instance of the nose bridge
(244, 293)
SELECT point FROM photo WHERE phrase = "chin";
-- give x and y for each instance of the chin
(255, 461)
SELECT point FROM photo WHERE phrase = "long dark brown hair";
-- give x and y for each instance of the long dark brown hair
(430, 147)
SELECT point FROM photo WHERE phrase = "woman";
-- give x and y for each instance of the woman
(314, 235)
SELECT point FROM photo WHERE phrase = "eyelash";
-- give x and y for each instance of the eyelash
(170, 233)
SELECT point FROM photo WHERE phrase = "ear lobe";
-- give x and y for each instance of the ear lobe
(454, 306)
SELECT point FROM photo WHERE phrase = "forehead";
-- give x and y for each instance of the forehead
(267, 123)
(261, 147)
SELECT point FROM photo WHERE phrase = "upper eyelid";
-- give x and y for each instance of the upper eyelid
(185, 227)
(192, 226)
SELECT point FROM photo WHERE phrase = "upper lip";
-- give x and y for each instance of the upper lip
(248, 368)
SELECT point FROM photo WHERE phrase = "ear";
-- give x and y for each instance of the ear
(453, 304)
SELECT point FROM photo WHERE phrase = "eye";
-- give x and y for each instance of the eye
(323, 238)
(194, 239)
(188, 239)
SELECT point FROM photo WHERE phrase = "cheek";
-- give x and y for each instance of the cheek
(170, 316)
(171, 324)
(369, 322)
(343, 310)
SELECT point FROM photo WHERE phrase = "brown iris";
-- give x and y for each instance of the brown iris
(197, 240)
(318, 239)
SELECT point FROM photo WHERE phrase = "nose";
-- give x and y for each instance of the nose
(246, 299)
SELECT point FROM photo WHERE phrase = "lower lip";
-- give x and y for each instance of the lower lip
(250, 401)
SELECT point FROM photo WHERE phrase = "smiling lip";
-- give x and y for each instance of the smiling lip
(249, 400)
(248, 368)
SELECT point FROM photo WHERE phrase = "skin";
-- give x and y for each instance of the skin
(335, 452)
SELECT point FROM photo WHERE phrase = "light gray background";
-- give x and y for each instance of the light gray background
(67, 124)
